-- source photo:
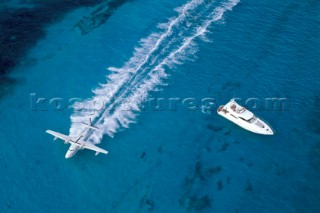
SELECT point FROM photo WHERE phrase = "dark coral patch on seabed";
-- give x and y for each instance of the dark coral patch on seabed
(190, 198)
(21, 28)
(99, 16)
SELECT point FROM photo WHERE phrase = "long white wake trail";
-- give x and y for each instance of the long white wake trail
(116, 103)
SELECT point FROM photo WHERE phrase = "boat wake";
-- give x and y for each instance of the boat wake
(116, 103)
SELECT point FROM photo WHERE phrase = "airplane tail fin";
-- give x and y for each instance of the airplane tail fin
(90, 125)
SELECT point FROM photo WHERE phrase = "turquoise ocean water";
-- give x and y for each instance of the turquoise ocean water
(159, 160)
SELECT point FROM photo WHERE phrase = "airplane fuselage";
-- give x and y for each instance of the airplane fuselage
(72, 151)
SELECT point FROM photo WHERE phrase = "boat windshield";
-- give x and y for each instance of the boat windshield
(253, 119)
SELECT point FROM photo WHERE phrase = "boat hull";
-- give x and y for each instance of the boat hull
(263, 128)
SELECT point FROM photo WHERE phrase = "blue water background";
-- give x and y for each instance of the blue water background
(171, 161)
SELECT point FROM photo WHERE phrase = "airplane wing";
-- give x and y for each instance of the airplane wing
(87, 145)
(58, 135)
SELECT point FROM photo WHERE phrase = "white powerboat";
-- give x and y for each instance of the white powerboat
(244, 118)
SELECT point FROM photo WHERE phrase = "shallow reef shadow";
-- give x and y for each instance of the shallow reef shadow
(21, 28)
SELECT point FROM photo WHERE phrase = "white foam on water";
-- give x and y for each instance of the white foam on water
(115, 104)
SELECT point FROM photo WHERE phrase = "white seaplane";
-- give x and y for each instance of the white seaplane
(77, 144)
(244, 118)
